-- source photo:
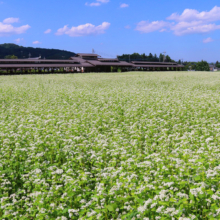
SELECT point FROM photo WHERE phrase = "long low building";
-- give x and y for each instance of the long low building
(82, 63)
(161, 66)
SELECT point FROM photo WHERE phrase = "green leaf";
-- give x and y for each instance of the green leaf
(110, 208)
(197, 178)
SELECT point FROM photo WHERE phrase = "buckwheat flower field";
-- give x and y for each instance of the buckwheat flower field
(110, 146)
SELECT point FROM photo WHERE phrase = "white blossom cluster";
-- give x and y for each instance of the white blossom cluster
(110, 146)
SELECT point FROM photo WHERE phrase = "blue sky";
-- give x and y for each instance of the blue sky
(188, 30)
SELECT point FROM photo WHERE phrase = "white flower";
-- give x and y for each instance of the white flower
(141, 209)
(208, 139)
(159, 209)
(59, 171)
(38, 171)
(215, 197)
(153, 205)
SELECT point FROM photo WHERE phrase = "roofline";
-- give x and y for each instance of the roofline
(33, 60)
(43, 65)
(73, 62)
(156, 66)
(147, 62)
(88, 54)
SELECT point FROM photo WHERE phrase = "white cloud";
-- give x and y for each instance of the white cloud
(36, 42)
(103, 1)
(189, 22)
(18, 41)
(189, 15)
(93, 4)
(83, 30)
(11, 20)
(147, 27)
(124, 5)
(192, 21)
(8, 29)
(194, 27)
(163, 30)
(97, 3)
(208, 40)
(128, 27)
(47, 31)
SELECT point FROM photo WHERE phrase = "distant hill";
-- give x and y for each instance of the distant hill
(23, 52)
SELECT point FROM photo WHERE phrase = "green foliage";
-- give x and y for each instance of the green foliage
(161, 57)
(144, 57)
(168, 59)
(23, 52)
(11, 57)
(202, 66)
(217, 64)
(113, 69)
(189, 66)
(110, 146)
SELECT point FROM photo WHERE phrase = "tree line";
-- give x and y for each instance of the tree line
(13, 51)
(144, 57)
(199, 66)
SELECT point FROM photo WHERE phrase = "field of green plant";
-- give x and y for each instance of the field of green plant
(110, 146)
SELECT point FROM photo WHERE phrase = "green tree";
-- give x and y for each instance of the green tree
(189, 65)
(202, 66)
(23, 52)
(150, 55)
(168, 59)
(217, 64)
(144, 56)
(11, 57)
(161, 57)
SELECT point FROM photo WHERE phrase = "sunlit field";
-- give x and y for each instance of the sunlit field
(110, 146)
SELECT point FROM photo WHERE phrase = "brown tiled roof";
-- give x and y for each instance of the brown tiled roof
(153, 66)
(79, 62)
(108, 59)
(35, 61)
(147, 62)
(43, 65)
(99, 63)
(87, 54)
(78, 59)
